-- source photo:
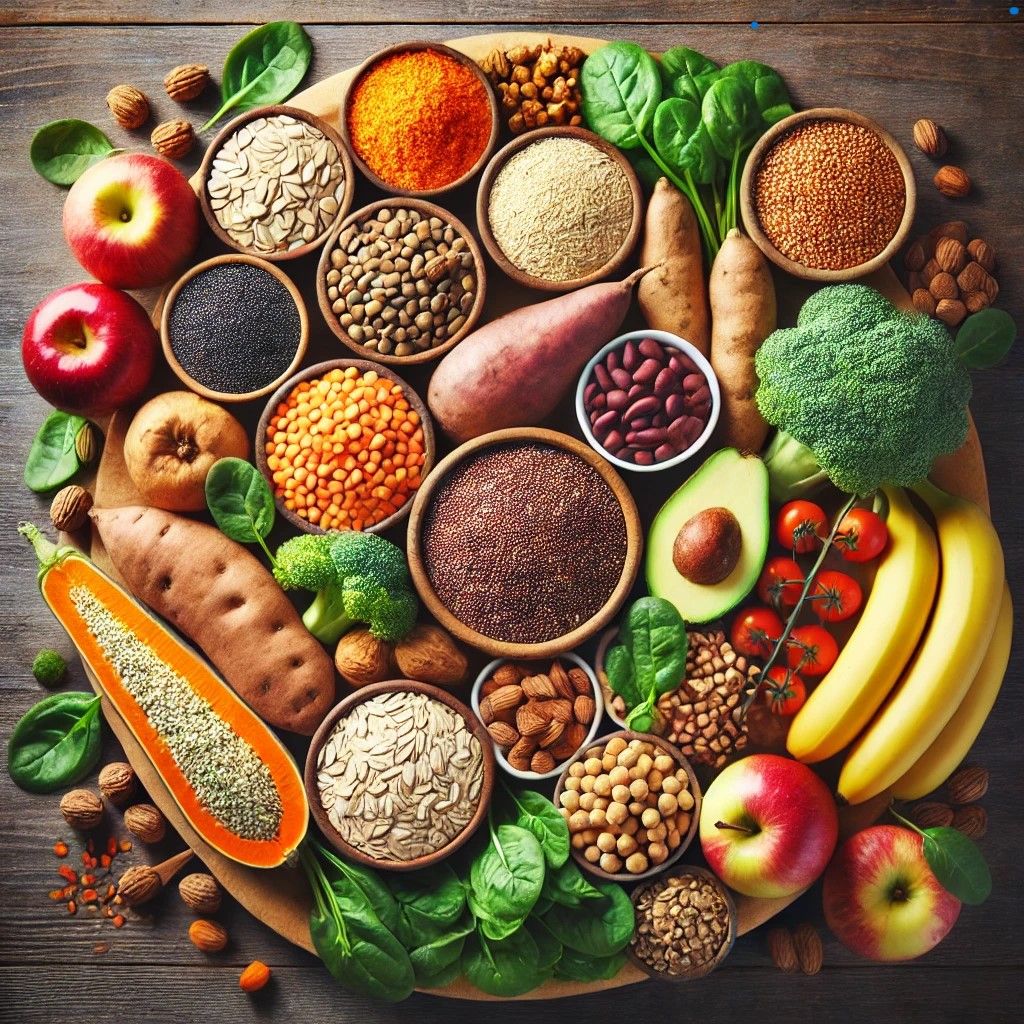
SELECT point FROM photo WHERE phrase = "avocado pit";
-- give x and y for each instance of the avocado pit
(707, 546)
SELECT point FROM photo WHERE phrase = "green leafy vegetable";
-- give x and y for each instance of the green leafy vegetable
(957, 864)
(56, 743)
(62, 151)
(596, 927)
(568, 887)
(687, 73)
(540, 816)
(240, 501)
(504, 968)
(549, 949)
(52, 459)
(264, 67)
(576, 966)
(507, 877)
(985, 338)
(768, 88)
(433, 957)
(621, 93)
(429, 902)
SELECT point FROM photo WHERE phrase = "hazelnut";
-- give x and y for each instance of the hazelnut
(118, 782)
(950, 311)
(82, 809)
(201, 893)
(943, 286)
(951, 255)
(982, 254)
(924, 302)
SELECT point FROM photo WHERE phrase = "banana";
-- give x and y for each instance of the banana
(881, 644)
(950, 654)
(950, 748)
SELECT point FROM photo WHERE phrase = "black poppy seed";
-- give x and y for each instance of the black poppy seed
(234, 328)
(524, 542)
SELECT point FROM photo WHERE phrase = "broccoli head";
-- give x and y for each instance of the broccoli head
(49, 668)
(861, 393)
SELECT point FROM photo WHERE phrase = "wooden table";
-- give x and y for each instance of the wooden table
(954, 60)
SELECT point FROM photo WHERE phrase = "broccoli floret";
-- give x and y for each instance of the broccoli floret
(861, 393)
(49, 668)
(358, 577)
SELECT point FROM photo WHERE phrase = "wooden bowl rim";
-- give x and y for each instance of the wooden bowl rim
(413, 46)
(216, 261)
(572, 639)
(730, 938)
(764, 243)
(341, 709)
(674, 752)
(270, 111)
(318, 370)
(483, 196)
(422, 206)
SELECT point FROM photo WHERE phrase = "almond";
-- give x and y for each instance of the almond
(82, 809)
(542, 762)
(564, 748)
(519, 756)
(782, 950)
(943, 286)
(118, 782)
(129, 106)
(186, 82)
(967, 785)
(486, 711)
(972, 277)
(584, 708)
(145, 822)
(561, 711)
(951, 255)
(580, 680)
(530, 721)
(915, 258)
(983, 254)
(173, 139)
(930, 138)
(503, 734)
(70, 507)
(139, 884)
(539, 687)
(950, 311)
(254, 977)
(929, 270)
(972, 820)
(949, 229)
(809, 950)
(931, 814)
(508, 674)
(208, 936)
(552, 734)
(975, 301)
(576, 735)
(560, 678)
(952, 181)
(924, 302)
(490, 686)
(990, 288)
(506, 697)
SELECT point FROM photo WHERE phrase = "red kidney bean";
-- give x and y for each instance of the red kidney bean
(599, 402)
(617, 399)
(649, 438)
(701, 409)
(641, 423)
(665, 383)
(603, 378)
(652, 349)
(589, 391)
(660, 420)
(664, 452)
(614, 441)
(613, 361)
(701, 395)
(605, 423)
(675, 406)
(631, 357)
(626, 454)
(647, 372)
(644, 458)
(679, 433)
(621, 377)
(642, 407)
(682, 364)
(636, 391)
(693, 382)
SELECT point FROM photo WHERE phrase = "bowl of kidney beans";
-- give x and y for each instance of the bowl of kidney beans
(648, 401)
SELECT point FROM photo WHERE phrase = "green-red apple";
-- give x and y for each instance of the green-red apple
(768, 826)
(882, 900)
(132, 220)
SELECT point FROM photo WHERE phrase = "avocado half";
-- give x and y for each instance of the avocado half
(728, 480)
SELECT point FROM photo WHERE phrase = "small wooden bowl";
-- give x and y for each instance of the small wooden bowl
(412, 47)
(165, 328)
(749, 209)
(676, 754)
(338, 712)
(483, 198)
(239, 122)
(318, 370)
(723, 952)
(575, 637)
(430, 210)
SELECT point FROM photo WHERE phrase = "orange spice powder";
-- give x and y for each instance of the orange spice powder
(419, 120)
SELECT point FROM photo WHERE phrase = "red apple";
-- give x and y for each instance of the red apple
(89, 349)
(882, 900)
(768, 826)
(132, 221)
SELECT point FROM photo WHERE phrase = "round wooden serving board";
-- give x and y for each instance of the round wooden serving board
(280, 897)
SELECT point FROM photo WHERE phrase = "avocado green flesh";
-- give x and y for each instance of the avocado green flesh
(731, 480)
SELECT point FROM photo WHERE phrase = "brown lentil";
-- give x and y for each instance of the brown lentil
(524, 542)
(829, 195)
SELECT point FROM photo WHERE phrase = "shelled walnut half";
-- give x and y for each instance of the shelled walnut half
(538, 85)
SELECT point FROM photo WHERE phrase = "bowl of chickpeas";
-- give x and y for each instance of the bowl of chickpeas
(632, 803)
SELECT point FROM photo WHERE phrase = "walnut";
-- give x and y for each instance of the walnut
(118, 782)
(201, 893)
(70, 507)
(173, 139)
(145, 822)
(187, 81)
(139, 884)
(82, 809)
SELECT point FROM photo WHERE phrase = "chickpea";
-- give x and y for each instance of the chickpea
(606, 842)
(655, 779)
(671, 785)
(572, 784)
(587, 802)
(587, 783)
(636, 864)
(579, 821)
(576, 770)
(683, 777)
(631, 826)
(626, 845)
(577, 842)
(610, 863)
(628, 758)
(674, 839)
(592, 854)
(601, 803)
(657, 834)
(664, 764)
(638, 789)
(598, 818)
(619, 776)
(683, 822)
(608, 761)
(617, 814)
(590, 836)
(621, 794)
(637, 807)
(667, 804)
(570, 800)
(645, 764)
(685, 800)
(592, 766)
(658, 852)
(603, 785)
(615, 746)
(650, 818)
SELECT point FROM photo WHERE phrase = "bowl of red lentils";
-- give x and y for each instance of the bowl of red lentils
(828, 195)
(345, 445)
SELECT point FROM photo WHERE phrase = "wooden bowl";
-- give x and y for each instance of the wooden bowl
(361, 695)
(483, 198)
(222, 137)
(676, 754)
(575, 637)
(411, 47)
(428, 355)
(165, 335)
(318, 370)
(749, 210)
(730, 938)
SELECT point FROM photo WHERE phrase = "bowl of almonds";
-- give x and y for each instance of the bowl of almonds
(538, 713)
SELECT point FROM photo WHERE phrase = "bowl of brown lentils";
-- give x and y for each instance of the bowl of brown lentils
(401, 281)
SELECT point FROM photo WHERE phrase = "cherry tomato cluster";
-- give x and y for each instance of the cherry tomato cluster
(802, 527)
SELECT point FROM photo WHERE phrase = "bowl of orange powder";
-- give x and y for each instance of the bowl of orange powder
(420, 119)
(344, 445)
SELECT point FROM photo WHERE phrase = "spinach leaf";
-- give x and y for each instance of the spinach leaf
(62, 151)
(52, 459)
(370, 890)
(621, 90)
(549, 949)
(240, 501)
(496, 928)
(985, 338)
(599, 927)
(429, 959)
(507, 877)
(576, 966)
(683, 141)
(646, 169)
(429, 901)
(769, 90)
(730, 114)
(567, 887)
(56, 743)
(687, 73)
(441, 979)
(506, 968)
(263, 67)
(958, 864)
(540, 816)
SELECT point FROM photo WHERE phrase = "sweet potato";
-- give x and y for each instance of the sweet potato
(221, 597)
(673, 296)
(742, 316)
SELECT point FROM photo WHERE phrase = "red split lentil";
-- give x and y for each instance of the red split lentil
(830, 195)
(420, 120)
(89, 890)
(346, 450)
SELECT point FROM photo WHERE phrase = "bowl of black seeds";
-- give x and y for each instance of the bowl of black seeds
(234, 327)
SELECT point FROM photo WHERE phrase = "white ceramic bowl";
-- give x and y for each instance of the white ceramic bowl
(499, 754)
(673, 341)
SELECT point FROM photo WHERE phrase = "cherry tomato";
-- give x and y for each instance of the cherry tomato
(811, 650)
(862, 535)
(754, 632)
(801, 526)
(784, 691)
(835, 596)
(780, 582)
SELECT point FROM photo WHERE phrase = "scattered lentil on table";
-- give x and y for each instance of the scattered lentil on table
(420, 120)
(524, 542)
(830, 194)
(560, 209)
(234, 328)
